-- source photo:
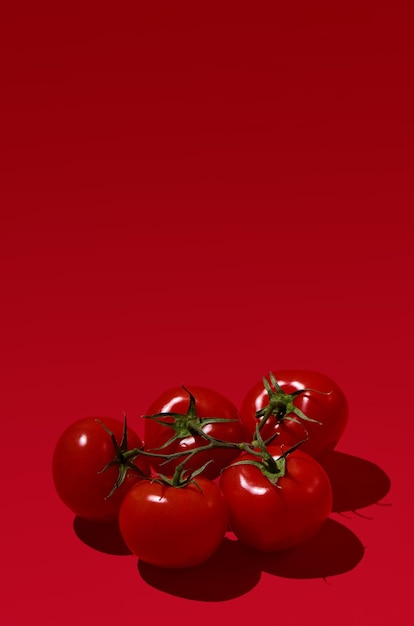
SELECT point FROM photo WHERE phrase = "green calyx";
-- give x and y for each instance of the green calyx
(281, 405)
(123, 459)
(185, 424)
(182, 476)
(273, 469)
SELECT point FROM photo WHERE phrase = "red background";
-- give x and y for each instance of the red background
(198, 193)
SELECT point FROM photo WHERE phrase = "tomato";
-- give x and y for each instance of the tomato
(182, 412)
(80, 454)
(174, 527)
(272, 517)
(329, 408)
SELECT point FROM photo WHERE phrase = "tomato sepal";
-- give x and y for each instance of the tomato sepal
(185, 424)
(270, 474)
(281, 404)
(179, 480)
(273, 469)
(123, 457)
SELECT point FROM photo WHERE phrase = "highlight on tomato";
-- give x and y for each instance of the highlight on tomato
(295, 403)
(183, 419)
(277, 500)
(91, 468)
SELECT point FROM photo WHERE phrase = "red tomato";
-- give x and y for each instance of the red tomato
(174, 527)
(181, 412)
(81, 452)
(330, 408)
(272, 517)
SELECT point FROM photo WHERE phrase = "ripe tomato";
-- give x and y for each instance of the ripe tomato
(81, 452)
(180, 413)
(173, 527)
(272, 517)
(330, 408)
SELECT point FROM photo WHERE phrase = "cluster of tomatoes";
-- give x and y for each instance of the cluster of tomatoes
(207, 467)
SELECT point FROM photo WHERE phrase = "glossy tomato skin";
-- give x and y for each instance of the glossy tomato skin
(208, 403)
(270, 517)
(331, 410)
(174, 527)
(81, 452)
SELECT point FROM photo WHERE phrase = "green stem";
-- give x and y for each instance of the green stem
(213, 444)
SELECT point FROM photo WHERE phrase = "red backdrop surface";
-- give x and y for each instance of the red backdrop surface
(199, 193)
